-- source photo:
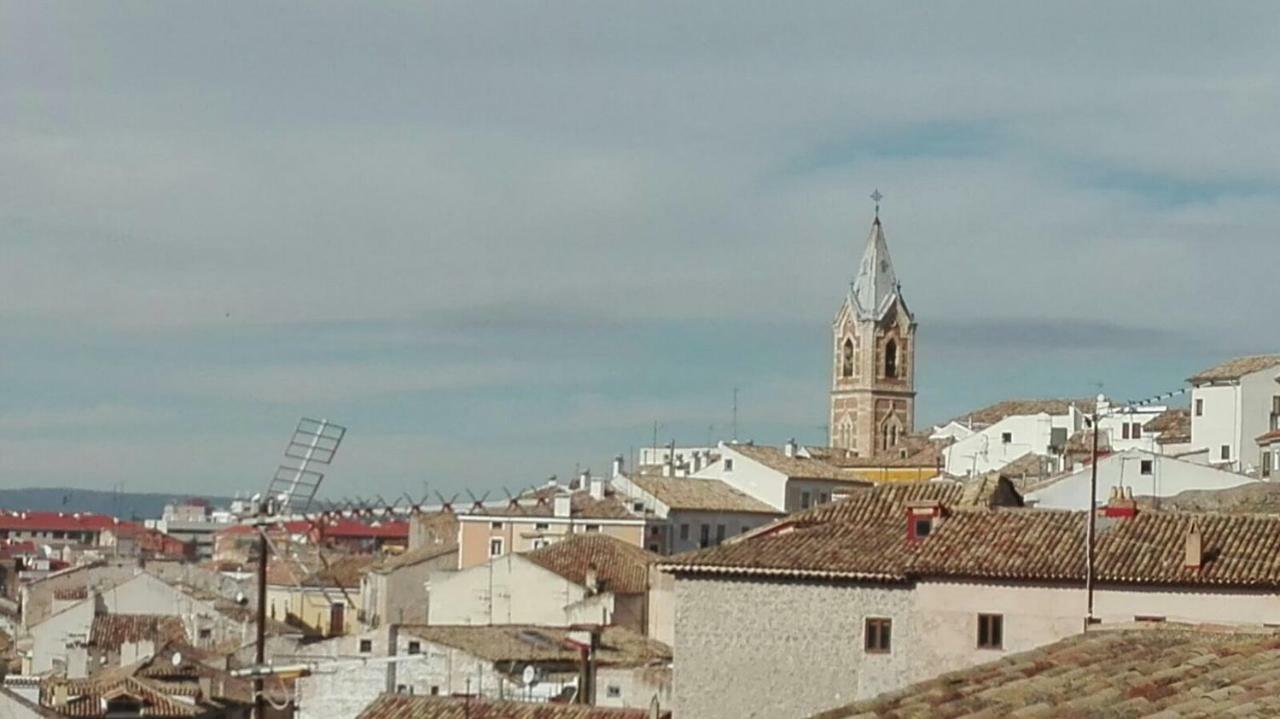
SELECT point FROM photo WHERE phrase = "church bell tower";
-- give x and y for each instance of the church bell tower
(873, 365)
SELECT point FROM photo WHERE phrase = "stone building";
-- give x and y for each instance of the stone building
(873, 358)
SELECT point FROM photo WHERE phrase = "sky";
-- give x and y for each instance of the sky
(499, 241)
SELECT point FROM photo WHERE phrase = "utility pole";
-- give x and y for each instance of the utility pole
(1092, 525)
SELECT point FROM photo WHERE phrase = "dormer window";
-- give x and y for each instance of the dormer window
(923, 526)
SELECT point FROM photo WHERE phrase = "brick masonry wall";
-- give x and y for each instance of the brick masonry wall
(777, 650)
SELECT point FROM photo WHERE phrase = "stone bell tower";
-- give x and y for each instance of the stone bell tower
(873, 364)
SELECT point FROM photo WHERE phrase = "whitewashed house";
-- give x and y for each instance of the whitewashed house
(1008, 430)
(697, 513)
(1137, 471)
(1232, 404)
(785, 478)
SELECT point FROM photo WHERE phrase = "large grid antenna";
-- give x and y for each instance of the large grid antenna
(294, 486)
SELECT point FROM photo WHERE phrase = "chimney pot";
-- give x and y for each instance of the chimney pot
(790, 448)
(561, 505)
(617, 466)
(1194, 546)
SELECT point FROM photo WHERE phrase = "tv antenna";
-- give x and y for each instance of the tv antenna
(290, 491)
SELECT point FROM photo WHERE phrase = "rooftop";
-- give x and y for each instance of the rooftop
(1234, 369)
(705, 495)
(529, 643)
(795, 467)
(1004, 544)
(620, 567)
(1012, 407)
(401, 706)
(414, 556)
(1174, 426)
(1120, 673)
(110, 631)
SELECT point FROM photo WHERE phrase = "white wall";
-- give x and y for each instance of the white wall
(1168, 477)
(1220, 422)
(747, 475)
(986, 451)
(1257, 390)
(506, 590)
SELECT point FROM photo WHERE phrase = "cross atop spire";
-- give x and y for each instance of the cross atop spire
(876, 197)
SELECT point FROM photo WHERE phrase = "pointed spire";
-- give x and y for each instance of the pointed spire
(876, 286)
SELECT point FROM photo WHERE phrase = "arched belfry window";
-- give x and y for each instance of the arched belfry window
(891, 359)
(846, 363)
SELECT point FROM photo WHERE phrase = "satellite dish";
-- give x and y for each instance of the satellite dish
(530, 675)
(176, 659)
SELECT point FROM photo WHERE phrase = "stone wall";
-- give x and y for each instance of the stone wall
(782, 649)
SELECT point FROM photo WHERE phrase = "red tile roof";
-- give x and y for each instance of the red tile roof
(621, 567)
(109, 631)
(55, 521)
(401, 706)
(1234, 369)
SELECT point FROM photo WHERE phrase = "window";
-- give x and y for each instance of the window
(495, 547)
(891, 359)
(540, 542)
(653, 547)
(542, 526)
(745, 529)
(206, 633)
(923, 526)
(1137, 430)
(1146, 466)
(435, 690)
(1226, 451)
(637, 506)
(823, 498)
(495, 525)
(704, 538)
(366, 646)
(846, 368)
(990, 631)
(1266, 464)
(684, 532)
(1148, 618)
(1124, 430)
(613, 691)
(1199, 408)
(719, 533)
(593, 528)
(415, 647)
(878, 635)
(1006, 438)
(655, 530)
(728, 464)
(804, 500)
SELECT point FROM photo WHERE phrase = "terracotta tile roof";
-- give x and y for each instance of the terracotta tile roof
(1269, 438)
(541, 503)
(1011, 407)
(621, 567)
(709, 495)
(866, 538)
(1166, 672)
(528, 643)
(109, 631)
(916, 450)
(306, 568)
(55, 521)
(1234, 369)
(1170, 423)
(414, 556)
(868, 503)
(794, 467)
(401, 706)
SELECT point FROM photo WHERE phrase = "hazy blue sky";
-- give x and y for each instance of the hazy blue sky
(501, 239)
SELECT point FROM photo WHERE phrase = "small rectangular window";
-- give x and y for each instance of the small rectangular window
(593, 528)
(542, 526)
(495, 547)
(1226, 451)
(720, 529)
(1146, 466)
(1124, 430)
(1006, 438)
(804, 500)
(206, 633)
(877, 635)
(1137, 430)
(366, 646)
(1266, 464)
(704, 535)
(613, 691)
(923, 526)
(823, 498)
(415, 647)
(1148, 618)
(684, 532)
(990, 631)
(637, 506)
(1199, 408)
(728, 464)
(495, 525)
(435, 690)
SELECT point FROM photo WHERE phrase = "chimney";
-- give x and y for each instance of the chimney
(592, 580)
(1121, 505)
(59, 695)
(597, 485)
(790, 448)
(561, 505)
(206, 688)
(697, 462)
(617, 467)
(584, 479)
(1194, 547)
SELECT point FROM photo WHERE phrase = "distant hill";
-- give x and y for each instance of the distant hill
(126, 505)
